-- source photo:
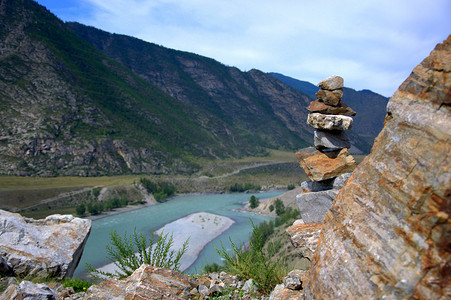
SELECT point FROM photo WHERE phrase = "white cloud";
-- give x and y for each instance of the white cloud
(372, 44)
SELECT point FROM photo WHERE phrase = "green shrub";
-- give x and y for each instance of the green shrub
(96, 192)
(254, 202)
(291, 187)
(160, 191)
(271, 208)
(77, 284)
(288, 215)
(129, 253)
(81, 209)
(262, 231)
(254, 262)
(239, 187)
(213, 268)
(280, 207)
(95, 208)
(274, 247)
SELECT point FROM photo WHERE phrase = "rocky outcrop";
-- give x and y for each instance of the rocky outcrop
(47, 248)
(150, 282)
(147, 282)
(388, 232)
(304, 237)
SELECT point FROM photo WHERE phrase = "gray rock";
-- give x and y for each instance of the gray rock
(214, 290)
(317, 186)
(331, 83)
(47, 248)
(341, 180)
(314, 206)
(334, 139)
(329, 122)
(248, 286)
(5, 268)
(203, 290)
(292, 282)
(275, 294)
(28, 290)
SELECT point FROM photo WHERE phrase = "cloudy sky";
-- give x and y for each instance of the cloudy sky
(371, 44)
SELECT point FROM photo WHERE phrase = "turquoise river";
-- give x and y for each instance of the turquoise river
(151, 218)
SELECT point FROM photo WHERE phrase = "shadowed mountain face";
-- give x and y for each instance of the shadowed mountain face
(76, 100)
(370, 108)
(251, 101)
(69, 109)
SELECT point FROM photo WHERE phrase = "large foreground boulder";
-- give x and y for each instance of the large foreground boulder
(47, 248)
(388, 232)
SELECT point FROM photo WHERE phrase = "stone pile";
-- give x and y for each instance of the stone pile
(149, 282)
(330, 158)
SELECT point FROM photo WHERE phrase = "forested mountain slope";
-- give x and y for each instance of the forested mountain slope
(75, 100)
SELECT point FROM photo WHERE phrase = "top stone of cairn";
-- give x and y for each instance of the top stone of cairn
(331, 83)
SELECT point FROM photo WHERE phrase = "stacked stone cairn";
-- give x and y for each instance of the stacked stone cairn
(328, 164)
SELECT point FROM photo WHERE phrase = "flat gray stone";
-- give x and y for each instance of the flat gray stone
(333, 139)
(314, 206)
(317, 186)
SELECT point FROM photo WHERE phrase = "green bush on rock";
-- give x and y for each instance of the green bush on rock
(129, 253)
(254, 262)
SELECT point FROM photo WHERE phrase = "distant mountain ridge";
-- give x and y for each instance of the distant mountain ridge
(370, 108)
(76, 100)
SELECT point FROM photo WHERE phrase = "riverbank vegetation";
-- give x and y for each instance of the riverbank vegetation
(265, 258)
(38, 197)
(160, 190)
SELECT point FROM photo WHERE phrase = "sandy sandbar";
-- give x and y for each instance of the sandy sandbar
(201, 228)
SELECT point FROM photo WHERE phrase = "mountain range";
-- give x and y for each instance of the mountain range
(76, 100)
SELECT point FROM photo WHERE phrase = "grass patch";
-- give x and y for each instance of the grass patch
(254, 262)
(8, 183)
(23, 198)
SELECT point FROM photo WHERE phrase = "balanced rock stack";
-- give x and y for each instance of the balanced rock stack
(330, 158)
(330, 117)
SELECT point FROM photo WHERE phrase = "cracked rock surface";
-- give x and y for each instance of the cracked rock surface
(388, 232)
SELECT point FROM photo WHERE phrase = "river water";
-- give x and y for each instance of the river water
(153, 217)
